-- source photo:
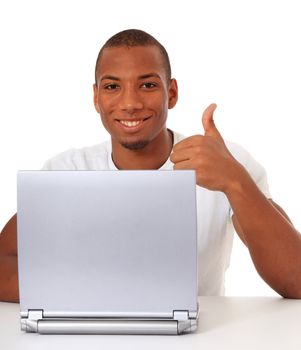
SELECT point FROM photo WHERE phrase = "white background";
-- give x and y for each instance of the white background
(243, 55)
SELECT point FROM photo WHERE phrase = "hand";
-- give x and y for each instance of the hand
(208, 155)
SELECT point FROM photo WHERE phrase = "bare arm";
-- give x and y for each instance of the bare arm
(273, 242)
(9, 262)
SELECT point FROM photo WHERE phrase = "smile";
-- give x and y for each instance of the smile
(132, 123)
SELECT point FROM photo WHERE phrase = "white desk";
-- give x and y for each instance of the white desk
(225, 323)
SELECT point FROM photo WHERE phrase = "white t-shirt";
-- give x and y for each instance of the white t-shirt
(215, 228)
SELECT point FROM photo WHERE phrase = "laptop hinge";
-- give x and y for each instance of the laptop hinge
(181, 323)
(186, 324)
(30, 323)
(68, 326)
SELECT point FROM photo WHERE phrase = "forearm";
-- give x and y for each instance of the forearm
(274, 244)
(9, 290)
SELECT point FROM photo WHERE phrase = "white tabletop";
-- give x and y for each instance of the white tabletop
(224, 323)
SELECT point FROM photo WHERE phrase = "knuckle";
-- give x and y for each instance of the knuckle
(197, 139)
(198, 150)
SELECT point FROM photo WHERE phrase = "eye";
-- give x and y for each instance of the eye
(111, 87)
(149, 85)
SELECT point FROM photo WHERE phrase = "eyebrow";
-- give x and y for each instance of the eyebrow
(109, 77)
(150, 75)
(141, 77)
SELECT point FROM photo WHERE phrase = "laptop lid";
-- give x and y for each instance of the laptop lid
(107, 244)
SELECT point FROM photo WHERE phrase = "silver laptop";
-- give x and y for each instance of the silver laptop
(107, 252)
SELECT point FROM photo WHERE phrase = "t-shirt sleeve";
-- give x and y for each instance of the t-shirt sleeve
(255, 169)
(63, 161)
(258, 174)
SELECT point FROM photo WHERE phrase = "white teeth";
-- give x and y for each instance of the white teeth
(130, 124)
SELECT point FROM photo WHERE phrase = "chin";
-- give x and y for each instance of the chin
(135, 146)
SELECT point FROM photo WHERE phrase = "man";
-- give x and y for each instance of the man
(133, 91)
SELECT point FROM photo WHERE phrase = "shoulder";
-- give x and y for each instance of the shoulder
(88, 158)
(242, 155)
(254, 168)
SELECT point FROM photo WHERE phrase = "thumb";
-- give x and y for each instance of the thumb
(208, 122)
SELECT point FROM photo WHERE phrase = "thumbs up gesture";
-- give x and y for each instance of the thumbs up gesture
(208, 155)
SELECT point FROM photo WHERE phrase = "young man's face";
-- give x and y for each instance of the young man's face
(133, 95)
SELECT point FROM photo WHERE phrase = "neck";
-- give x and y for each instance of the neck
(152, 156)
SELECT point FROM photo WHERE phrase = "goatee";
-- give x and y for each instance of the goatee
(134, 146)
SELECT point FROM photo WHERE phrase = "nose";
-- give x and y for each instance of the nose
(130, 101)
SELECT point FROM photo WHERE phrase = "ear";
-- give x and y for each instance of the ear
(172, 93)
(95, 97)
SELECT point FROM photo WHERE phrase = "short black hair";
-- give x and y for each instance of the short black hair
(134, 37)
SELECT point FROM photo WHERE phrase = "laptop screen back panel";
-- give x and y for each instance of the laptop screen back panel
(107, 243)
